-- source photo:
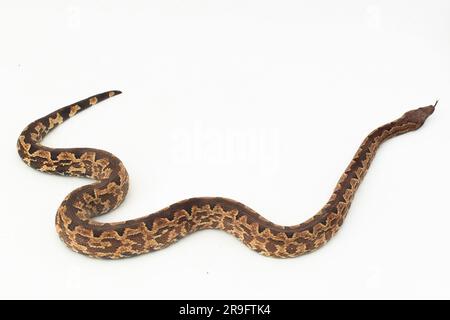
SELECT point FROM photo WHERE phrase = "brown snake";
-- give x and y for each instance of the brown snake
(75, 220)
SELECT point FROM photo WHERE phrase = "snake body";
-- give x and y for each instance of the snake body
(77, 227)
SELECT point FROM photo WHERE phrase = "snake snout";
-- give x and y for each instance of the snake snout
(428, 110)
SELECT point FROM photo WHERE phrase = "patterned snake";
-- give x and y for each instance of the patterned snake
(77, 227)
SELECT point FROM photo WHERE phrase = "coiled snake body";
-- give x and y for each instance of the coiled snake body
(77, 227)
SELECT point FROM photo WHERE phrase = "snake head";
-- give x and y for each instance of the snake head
(418, 116)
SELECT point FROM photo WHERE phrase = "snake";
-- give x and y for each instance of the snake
(78, 228)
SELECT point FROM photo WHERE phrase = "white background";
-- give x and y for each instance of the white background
(264, 102)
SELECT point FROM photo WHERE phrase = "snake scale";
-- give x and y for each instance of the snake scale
(77, 227)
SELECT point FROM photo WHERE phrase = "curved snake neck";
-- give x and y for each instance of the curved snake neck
(75, 219)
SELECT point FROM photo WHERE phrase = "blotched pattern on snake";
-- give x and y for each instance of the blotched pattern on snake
(77, 227)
